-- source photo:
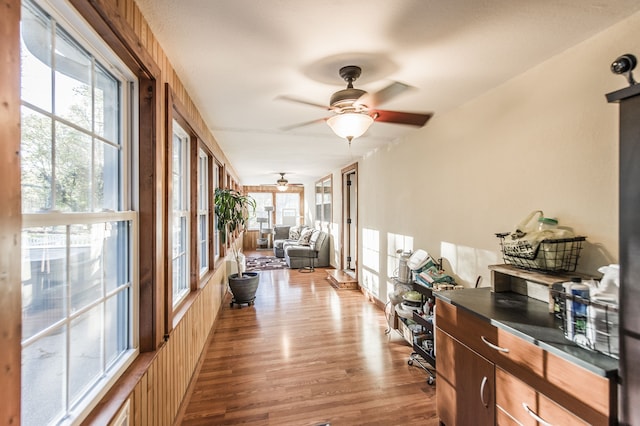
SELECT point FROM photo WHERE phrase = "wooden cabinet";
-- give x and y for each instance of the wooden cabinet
(518, 374)
(466, 384)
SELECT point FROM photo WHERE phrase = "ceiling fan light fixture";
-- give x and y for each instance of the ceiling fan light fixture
(282, 183)
(350, 125)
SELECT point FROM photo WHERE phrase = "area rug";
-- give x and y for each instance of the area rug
(264, 263)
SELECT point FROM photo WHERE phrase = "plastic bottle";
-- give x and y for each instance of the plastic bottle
(579, 291)
(568, 312)
(545, 223)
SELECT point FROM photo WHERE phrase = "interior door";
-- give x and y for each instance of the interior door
(350, 220)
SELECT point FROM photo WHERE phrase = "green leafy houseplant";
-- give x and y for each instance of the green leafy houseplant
(232, 209)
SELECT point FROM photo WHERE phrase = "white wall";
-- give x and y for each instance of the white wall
(545, 140)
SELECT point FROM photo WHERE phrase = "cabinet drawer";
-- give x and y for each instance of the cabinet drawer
(491, 342)
(511, 397)
(568, 384)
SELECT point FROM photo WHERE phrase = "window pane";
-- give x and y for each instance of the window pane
(290, 202)
(180, 271)
(176, 188)
(106, 177)
(263, 199)
(44, 281)
(72, 81)
(72, 169)
(116, 326)
(204, 241)
(107, 105)
(36, 57)
(85, 264)
(36, 158)
(85, 358)
(203, 181)
(178, 171)
(327, 213)
(43, 378)
(116, 255)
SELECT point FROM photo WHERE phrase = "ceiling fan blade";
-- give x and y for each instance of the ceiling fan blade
(372, 100)
(398, 117)
(306, 123)
(302, 101)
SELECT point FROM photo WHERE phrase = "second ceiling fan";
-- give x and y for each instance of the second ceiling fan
(282, 183)
(355, 109)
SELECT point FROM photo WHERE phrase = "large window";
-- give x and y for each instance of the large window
(203, 210)
(323, 199)
(180, 218)
(79, 233)
(288, 208)
(264, 207)
(217, 183)
(275, 208)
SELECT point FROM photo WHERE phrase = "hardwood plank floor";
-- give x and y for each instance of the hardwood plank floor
(308, 354)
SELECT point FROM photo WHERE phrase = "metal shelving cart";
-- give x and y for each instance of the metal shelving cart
(423, 342)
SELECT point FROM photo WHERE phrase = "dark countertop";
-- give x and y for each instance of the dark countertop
(530, 320)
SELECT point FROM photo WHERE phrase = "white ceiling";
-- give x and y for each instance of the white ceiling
(236, 56)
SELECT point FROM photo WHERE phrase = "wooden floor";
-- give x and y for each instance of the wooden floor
(308, 354)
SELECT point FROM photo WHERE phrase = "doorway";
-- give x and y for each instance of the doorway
(349, 258)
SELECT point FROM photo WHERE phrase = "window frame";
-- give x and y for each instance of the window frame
(323, 197)
(204, 242)
(218, 176)
(183, 211)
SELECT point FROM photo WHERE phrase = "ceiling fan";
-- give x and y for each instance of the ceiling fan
(282, 183)
(355, 109)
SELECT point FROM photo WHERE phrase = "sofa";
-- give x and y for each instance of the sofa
(301, 245)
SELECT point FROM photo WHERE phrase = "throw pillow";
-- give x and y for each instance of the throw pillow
(294, 233)
(305, 237)
(314, 238)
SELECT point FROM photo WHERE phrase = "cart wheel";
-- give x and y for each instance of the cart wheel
(410, 362)
(431, 380)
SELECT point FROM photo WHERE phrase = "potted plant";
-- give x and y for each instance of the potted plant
(232, 210)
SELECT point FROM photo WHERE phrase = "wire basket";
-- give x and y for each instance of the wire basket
(552, 255)
(591, 324)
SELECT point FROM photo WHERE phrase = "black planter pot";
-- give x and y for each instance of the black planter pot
(244, 288)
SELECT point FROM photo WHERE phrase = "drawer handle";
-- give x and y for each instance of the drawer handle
(482, 386)
(492, 346)
(535, 416)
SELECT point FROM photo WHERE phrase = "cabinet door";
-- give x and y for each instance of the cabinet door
(465, 394)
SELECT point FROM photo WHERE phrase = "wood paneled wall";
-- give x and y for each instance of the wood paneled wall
(10, 221)
(158, 395)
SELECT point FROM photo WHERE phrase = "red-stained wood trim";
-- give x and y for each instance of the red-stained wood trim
(108, 20)
(10, 213)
